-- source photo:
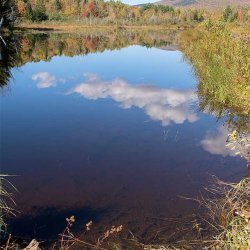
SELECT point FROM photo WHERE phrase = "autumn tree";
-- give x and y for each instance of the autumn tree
(21, 8)
(90, 9)
(101, 9)
(40, 11)
(108, 11)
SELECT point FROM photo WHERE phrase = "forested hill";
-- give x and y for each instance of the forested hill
(207, 4)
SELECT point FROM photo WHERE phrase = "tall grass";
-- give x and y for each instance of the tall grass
(222, 64)
(228, 214)
(7, 202)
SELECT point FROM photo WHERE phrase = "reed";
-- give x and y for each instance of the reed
(222, 65)
(228, 214)
(7, 203)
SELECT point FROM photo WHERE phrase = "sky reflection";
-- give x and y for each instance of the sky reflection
(98, 150)
(160, 104)
(45, 80)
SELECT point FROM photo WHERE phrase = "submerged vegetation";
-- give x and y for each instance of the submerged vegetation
(6, 201)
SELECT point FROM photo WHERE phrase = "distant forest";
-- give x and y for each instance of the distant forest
(115, 12)
(107, 12)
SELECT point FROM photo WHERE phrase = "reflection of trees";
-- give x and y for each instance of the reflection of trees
(36, 47)
(44, 46)
(9, 57)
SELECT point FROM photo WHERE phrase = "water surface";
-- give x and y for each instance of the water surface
(107, 128)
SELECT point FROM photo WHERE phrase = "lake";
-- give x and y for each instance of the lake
(107, 127)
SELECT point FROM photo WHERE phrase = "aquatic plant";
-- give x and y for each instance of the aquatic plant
(68, 239)
(7, 202)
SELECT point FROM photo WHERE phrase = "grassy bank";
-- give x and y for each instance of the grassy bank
(228, 215)
(221, 61)
(222, 65)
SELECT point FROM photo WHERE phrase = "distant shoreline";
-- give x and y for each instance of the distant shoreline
(71, 27)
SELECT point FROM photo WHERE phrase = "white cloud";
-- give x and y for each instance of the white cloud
(216, 143)
(165, 105)
(45, 80)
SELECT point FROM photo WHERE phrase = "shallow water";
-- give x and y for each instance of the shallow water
(114, 135)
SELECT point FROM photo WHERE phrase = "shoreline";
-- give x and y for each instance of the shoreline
(71, 27)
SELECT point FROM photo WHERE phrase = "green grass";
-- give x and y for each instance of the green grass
(222, 64)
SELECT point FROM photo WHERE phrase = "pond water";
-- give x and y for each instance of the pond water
(107, 128)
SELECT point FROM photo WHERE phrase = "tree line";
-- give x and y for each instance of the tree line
(109, 12)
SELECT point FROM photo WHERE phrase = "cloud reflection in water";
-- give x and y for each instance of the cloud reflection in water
(216, 143)
(45, 80)
(165, 105)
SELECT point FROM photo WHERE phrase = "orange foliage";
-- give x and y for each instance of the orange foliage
(21, 8)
